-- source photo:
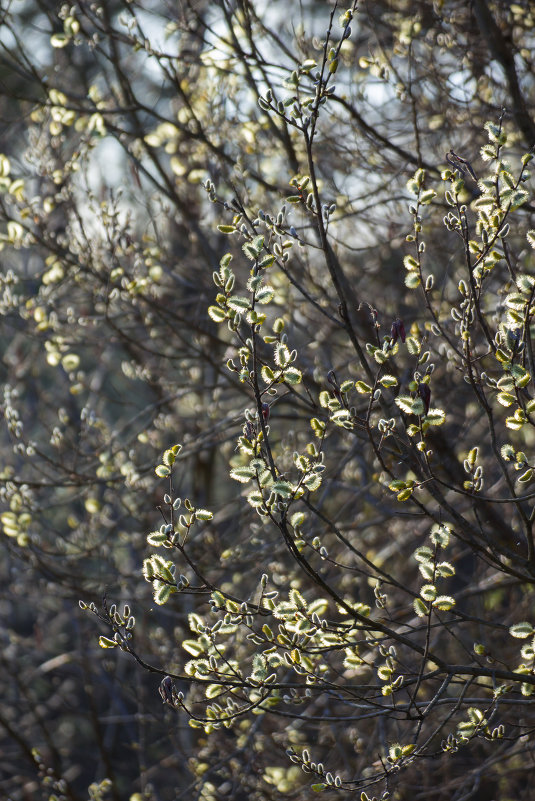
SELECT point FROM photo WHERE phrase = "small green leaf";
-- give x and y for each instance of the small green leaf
(267, 374)
(238, 303)
(501, 356)
(292, 375)
(440, 535)
(412, 281)
(342, 418)
(258, 243)
(384, 672)
(405, 403)
(427, 570)
(156, 538)
(161, 595)
(505, 398)
(266, 261)
(282, 488)
(59, 40)
(192, 647)
(169, 457)
(105, 642)
(427, 196)
(413, 186)
(527, 476)
(518, 198)
(388, 381)
(312, 482)
(444, 603)
(255, 499)
(435, 417)
(413, 346)
(242, 474)
(520, 375)
(282, 355)
(423, 554)
(419, 607)
(250, 251)
(508, 452)
(216, 313)
(472, 455)
(213, 691)
(297, 519)
(428, 592)
(521, 630)
(410, 263)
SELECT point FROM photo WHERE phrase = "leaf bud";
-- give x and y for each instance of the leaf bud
(425, 394)
(166, 690)
(397, 331)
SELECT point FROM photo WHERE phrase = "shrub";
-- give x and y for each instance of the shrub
(269, 407)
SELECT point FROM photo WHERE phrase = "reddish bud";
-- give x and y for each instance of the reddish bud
(166, 690)
(425, 394)
(397, 331)
(331, 378)
(249, 430)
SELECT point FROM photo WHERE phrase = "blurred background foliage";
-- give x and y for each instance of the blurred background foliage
(113, 115)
